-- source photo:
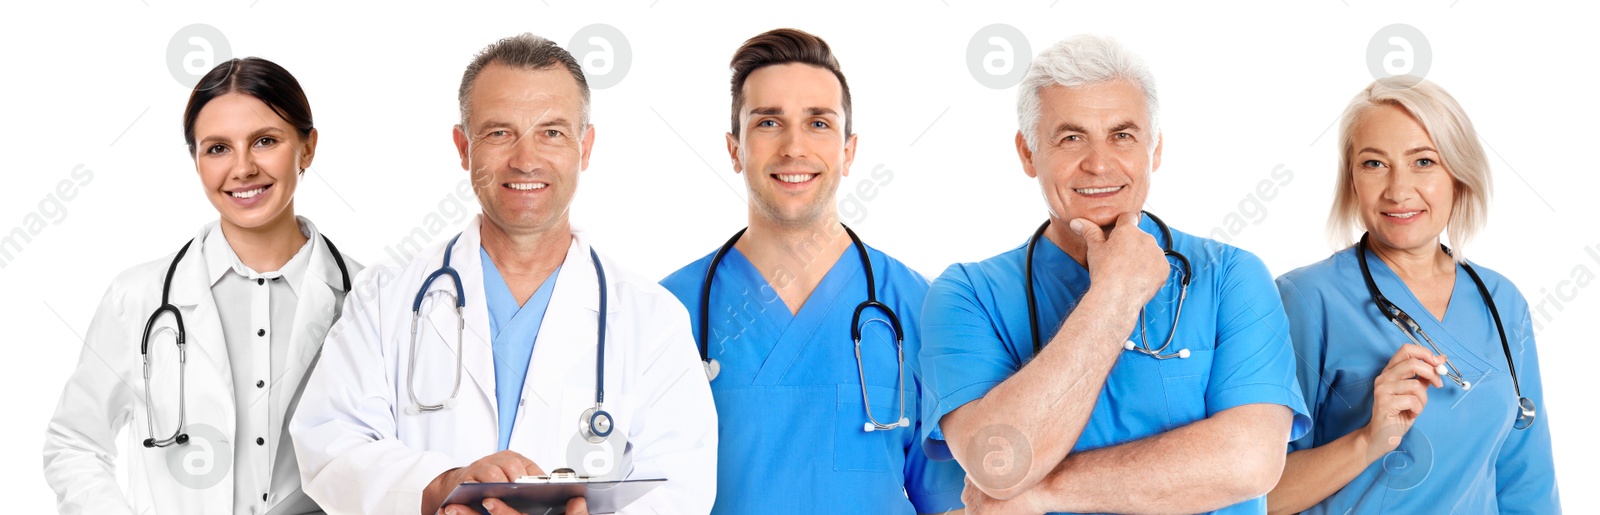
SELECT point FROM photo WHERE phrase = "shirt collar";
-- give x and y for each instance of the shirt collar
(574, 286)
(221, 259)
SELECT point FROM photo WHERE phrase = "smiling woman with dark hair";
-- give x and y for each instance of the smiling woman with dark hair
(201, 354)
(1418, 367)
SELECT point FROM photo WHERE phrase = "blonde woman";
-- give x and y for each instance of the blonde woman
(1418, 366)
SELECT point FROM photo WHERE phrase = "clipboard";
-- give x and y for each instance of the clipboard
(549, 494)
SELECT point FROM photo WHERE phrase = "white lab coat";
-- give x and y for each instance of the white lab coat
(361, 452)
(106, 392)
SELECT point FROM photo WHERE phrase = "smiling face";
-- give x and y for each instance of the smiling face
(249, 160)
(1096, 150)
(792, 148)
(525, 145)
(1405, 193)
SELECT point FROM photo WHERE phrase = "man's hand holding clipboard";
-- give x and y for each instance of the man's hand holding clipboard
(500, 467)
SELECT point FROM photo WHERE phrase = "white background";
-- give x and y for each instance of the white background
(1244, 88)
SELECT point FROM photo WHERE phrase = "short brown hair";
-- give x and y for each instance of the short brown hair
(784, 46)
(524, 52)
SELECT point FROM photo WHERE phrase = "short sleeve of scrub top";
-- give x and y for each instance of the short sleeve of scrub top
(976, 336)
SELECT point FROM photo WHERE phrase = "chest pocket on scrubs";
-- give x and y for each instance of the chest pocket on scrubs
(1407, 465)
(854, 448)
(1350, 399)
(1185, 380)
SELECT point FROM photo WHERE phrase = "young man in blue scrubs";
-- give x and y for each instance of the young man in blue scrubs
(796, 435)
(1095, 421)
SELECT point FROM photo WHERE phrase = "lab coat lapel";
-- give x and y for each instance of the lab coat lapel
(567, 334)
(319, 293)
(314, 314)
(208, 381)
(808, 325)
(476, 347)
(191, 293)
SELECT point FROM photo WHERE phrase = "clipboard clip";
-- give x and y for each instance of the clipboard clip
(560, 475)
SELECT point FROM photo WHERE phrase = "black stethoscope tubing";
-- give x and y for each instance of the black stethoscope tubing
(1166, 249)
(179, 436)
(1526, 410)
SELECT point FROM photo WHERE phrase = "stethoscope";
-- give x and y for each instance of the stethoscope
(1526, 411)
(713, 367)
(1144, 345)
(594, 424)
(178, 435)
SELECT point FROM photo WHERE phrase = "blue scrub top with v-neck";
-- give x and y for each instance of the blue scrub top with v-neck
(976, 335)
(1462, 454)
(789, 396)
(513, 329)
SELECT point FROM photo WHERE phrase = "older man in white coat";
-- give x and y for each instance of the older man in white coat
(392, 422)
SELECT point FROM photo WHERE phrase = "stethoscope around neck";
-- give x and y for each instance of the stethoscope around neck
(1144, 345)
(594, 424)
(179, 436)
(1526, 411)
(713, 367)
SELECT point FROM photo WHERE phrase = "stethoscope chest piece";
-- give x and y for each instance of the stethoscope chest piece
(595, 425)
(713, 367)
(1525, 413)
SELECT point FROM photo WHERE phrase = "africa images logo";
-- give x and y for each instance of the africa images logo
(203, 461)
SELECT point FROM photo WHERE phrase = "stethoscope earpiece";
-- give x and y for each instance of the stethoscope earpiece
(869, 427)
(181, 439)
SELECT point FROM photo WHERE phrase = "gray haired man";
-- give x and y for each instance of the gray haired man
(1112, 363)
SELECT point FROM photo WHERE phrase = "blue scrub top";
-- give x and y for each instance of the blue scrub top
(976, 335)
(1462, 454)
(513, 329)
(789, 396)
